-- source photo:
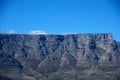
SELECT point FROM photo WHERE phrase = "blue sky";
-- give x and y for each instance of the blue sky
(61, 16)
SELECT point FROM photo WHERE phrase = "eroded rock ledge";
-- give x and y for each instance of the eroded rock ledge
(43, 55)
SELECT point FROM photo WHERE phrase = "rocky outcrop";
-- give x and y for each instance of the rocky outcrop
(41, 57)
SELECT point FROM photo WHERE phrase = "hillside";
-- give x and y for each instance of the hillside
(59, 57)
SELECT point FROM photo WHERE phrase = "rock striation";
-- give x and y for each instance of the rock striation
(72, 56)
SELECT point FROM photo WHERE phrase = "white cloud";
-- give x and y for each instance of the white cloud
(37, 32)
(11, 31)
(67, 33)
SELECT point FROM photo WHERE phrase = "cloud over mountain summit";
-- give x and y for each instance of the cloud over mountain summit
(37, 32)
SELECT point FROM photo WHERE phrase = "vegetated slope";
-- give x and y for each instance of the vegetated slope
(59, 57)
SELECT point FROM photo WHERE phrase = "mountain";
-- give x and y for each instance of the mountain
(59, 57)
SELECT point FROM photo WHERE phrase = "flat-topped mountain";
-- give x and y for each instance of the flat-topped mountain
(59, 57)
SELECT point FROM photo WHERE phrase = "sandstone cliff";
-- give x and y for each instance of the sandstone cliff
(59, 57)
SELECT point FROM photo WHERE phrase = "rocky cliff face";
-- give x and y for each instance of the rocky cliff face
(59, 57)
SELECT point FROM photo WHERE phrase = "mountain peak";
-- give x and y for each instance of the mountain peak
(46, 56)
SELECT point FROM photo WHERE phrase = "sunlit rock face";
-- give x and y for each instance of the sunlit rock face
(59, 57)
